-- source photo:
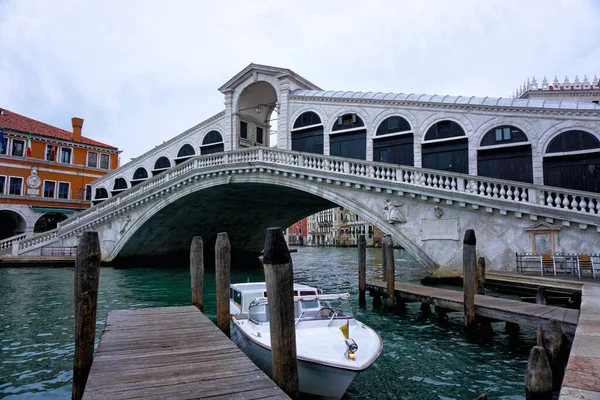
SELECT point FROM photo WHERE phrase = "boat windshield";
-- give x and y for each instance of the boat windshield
(306, 308)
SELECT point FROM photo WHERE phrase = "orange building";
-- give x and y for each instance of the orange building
(45, 172)
(297, 233)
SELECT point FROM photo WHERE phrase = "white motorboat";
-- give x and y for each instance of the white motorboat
(331, 346)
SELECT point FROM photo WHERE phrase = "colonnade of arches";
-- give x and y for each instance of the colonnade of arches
(212, 142)
(571, 159)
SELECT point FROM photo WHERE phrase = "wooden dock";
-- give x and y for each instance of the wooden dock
(486, 306)
(172, 353)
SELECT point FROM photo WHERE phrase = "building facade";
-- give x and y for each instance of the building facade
(297, 233)
(340, 227)
(46, 173)
(540, 141)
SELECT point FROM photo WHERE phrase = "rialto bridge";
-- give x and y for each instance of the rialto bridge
(525, 174)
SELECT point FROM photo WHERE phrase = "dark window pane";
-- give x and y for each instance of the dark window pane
(92, 159)
(578, 172)
(162, 162)
(307, 119)
(503, 135)
(508, 163)
(140, 173)
(573, 141)
(308, 141)
(395, 150)
(49, 188)
(120, 184)
(212, 137)
(447, 156)
(63, 190)
(215, 148)
(347, 121)
(2, 184)
(104, 161)
(186, 151)
(393, 125)
(101, 193)
(4, 146)
(350, 145)
(50, 153)
(65, 155)
(18, 147)
(259, 135)
(88, 192)
(444, 130)
(243, 130)
(15, 185)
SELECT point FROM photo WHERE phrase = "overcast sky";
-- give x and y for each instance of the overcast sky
(140, 72)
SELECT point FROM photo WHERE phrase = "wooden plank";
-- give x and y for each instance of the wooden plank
(491, 307)
(172, 353)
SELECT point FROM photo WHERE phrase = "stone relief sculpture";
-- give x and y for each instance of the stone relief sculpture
(437, 210)
(126, 219)
(392, 214)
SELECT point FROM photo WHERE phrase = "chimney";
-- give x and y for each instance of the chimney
(77, 124)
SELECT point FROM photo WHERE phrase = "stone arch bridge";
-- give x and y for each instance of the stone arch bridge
(245, 191)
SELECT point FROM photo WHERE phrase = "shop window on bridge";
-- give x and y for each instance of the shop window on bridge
(572, 161)
(445, 147)
(185, 153)
(139, 175)
(101, 195)
(119, 186)
(348, 137)
(307, 133)
(394, 142)
(505, 153)
(162, 164)
(212, 143)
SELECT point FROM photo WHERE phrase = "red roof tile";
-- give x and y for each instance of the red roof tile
(20, 123)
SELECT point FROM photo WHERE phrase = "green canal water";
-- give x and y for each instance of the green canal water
(421, 358)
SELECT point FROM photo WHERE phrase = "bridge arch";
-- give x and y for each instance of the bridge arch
(212, 142)
(394, 141)
(307, 133)
(161, 164)
(185, 152)
(504, 152)
(323, 195)
(254, 106)
(139, 175)
(445, 146)
(119, 185)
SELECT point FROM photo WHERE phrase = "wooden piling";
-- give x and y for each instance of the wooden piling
(279, 276)
(390, 270)
(222, 274)
(362, 270)
(425, 309)
(555, 344)
(469, 278)
(511, 328)
(197, 271)
(87, 277)
(480, 276)
(540, 296)
(442, 313)
(384, 262)
(538, 375)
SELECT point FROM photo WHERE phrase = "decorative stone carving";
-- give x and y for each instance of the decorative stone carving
(437, 210)
(392, 214)
(125, 221)
(34, 181)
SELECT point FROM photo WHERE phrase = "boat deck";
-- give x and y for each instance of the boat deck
(486, 306)
(172, 353)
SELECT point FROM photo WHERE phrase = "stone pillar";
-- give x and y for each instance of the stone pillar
(229, 127)
(283, 131)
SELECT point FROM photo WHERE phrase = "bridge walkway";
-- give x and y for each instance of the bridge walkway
(486, 306)
(172, 353)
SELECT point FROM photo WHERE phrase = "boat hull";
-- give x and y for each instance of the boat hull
(315, 379)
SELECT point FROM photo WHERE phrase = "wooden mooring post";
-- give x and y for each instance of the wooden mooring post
(87, 278)
(222, 272)
(197, 271)
(481, 276)
(538, 375)
(279, 277)
(555, 343)
(469, 279)
(384, 262)
(390, 270)
(362, 270)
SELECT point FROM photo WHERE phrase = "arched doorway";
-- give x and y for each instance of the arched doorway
(348, 137)
(572, 161)
(185, 153)
(48, 221)
(394, 142)
(445, 147)
(11, 224)
(505, 153)
(161, 165)
(307, 133)
(212, 143)
(255, 108)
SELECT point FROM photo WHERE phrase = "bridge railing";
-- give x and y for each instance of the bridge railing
(477, 186)
(8, 242)
(26, 244)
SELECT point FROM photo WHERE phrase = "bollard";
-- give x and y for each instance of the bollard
(390, 270)
(87, 277)
(362, 270)
(469, 279)
(279, 276)
(538, 375)
(222, 275)
(197, 271)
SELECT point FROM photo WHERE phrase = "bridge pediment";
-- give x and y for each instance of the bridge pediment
(255, 72)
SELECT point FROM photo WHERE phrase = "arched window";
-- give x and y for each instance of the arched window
(119, 186)
(449, 154)
(185, 152)
(396, 142)
(507, 156)
(101, 195)
(307, 133)
(212, 143)
(572, 161)
(139, 175)
(348, 137)
(161, 165)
